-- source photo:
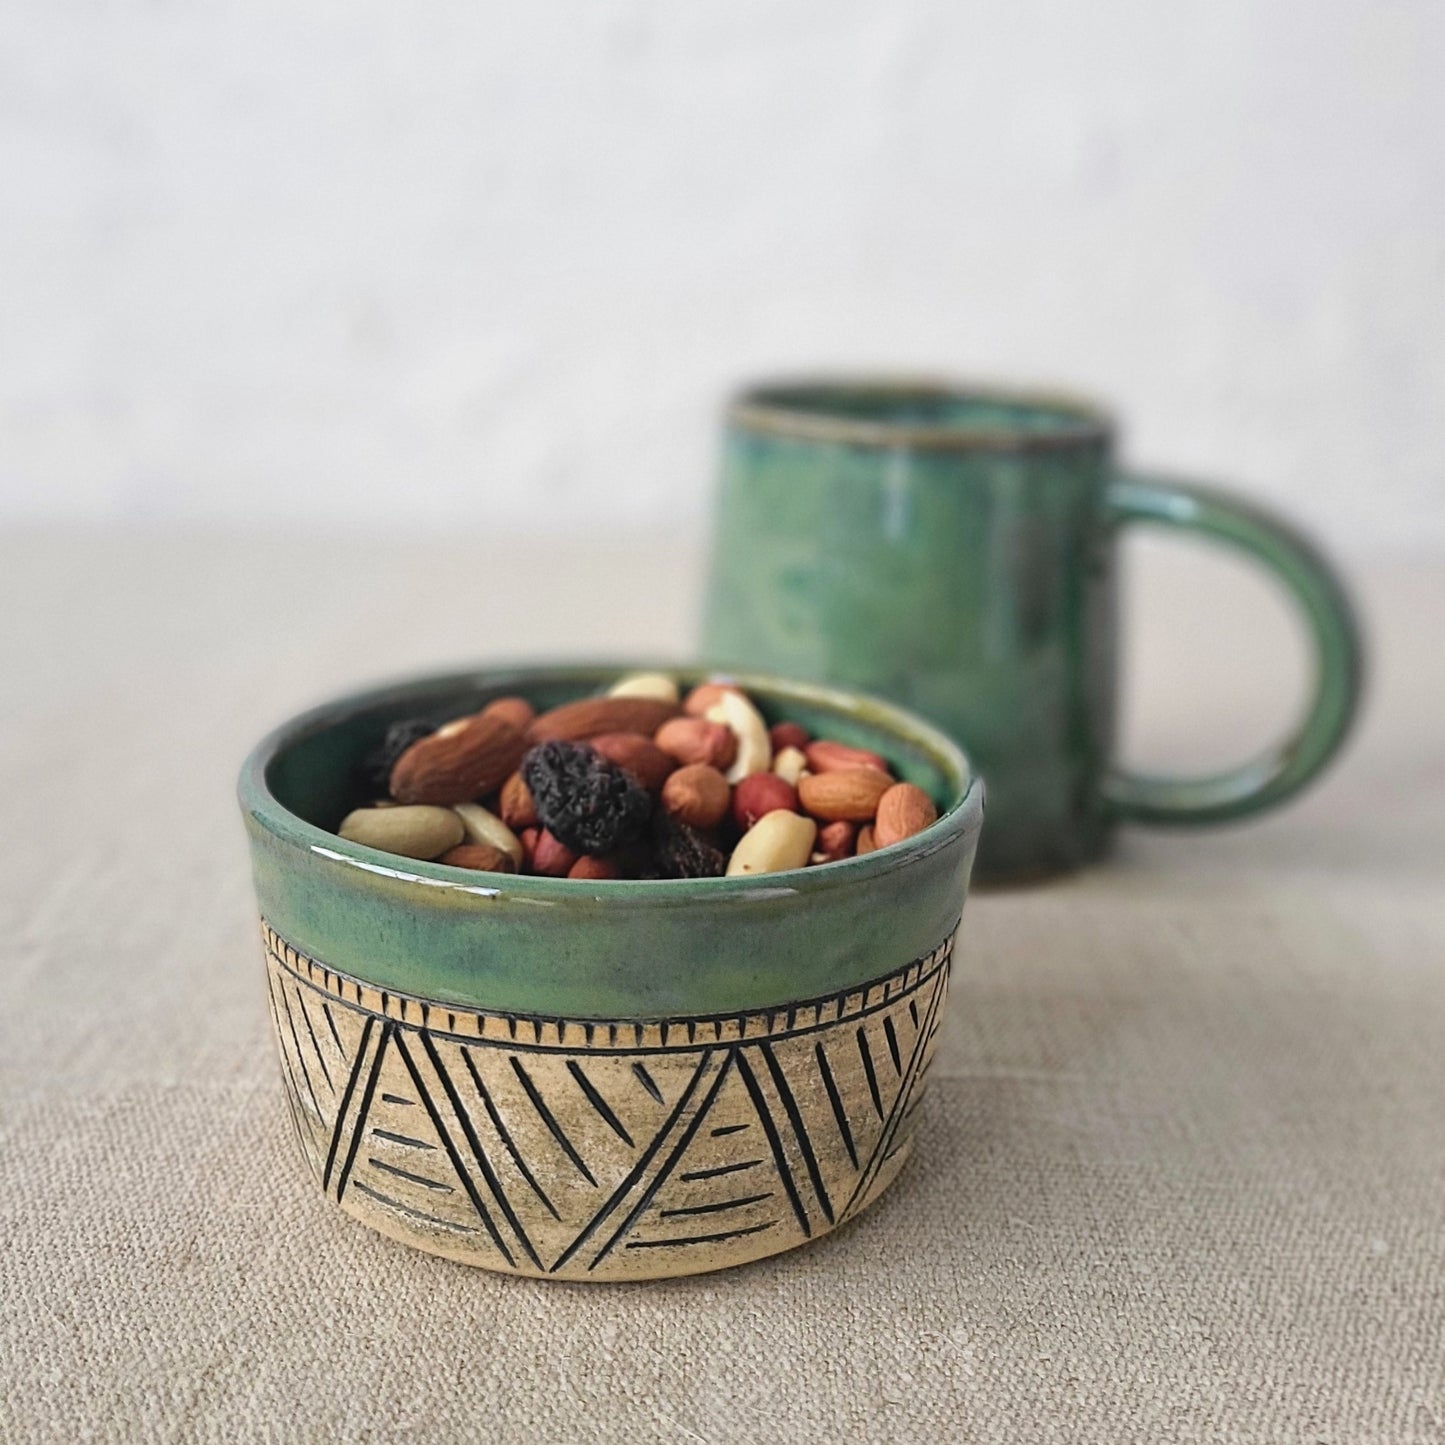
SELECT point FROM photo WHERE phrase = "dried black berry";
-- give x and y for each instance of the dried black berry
(682, 852)
(373, 772)
(588, 803)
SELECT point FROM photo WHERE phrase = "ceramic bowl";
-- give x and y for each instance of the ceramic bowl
(600, 1080)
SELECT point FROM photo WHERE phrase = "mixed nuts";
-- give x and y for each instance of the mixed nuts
(640, 782)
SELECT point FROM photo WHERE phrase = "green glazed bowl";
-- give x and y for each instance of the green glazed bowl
(600, 1080)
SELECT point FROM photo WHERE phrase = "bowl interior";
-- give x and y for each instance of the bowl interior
(311, 771)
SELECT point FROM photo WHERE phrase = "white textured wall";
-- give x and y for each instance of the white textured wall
(457, 263)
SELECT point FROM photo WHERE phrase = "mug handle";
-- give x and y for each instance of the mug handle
(1334, 630)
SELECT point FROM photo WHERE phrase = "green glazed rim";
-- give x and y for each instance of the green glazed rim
(962, 817)
(789, 408)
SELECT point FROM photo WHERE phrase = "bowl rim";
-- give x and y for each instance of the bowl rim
(262, 806)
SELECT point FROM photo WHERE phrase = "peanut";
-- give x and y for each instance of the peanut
(697, 795)
(656, 685)
(695, 740)
(481, 856)
(485, 827)
(757, 796)
(415, 830)
(790, 765)
(776, 842)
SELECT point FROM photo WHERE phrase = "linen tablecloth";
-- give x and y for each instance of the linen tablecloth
(1182, 1175)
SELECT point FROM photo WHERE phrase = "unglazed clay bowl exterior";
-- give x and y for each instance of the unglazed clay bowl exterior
(601, 1080)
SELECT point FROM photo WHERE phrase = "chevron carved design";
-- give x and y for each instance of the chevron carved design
(597, 1149)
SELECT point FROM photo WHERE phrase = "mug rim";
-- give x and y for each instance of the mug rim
(778, 407)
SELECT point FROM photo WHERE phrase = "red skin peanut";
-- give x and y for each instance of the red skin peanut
(787, 735)
(760, 794)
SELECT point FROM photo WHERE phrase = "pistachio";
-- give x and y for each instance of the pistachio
(777, 841)
(414, 830)
(485, 827)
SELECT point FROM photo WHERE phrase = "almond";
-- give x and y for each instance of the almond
(638, 754)
(903, 811)
(589, 867)
(589, 717)
(515, 710)
(867, 843)
(705, 695)
(836, 840)
(760, 794)
(481, 856)
(455, 765)
(551, 857)
(829, 757)
(851, 793)
(697, 795)
(516, 806)
(695, 740)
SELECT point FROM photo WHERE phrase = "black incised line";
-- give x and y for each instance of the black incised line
(892, 1043)
(396, 1204)
(719, 1171)
(835, 1099)
(774, 1143)
(604, 1110)
(482, 1212)
(795, 1118)
(478, 1153)
(401, 1138)
(700, 1238)
(638, 1169)
(900, 1105)
(421, 1179)
(723, 1129)
(300, 1062)
(337, 1127)
(331, 1024)
(320, 1057)
(716, 1208)
(539, 1104)
(646, 1080)
(292, 1093)
(929, 965)
(356, 1133)
(866, 1055)
(503, 1134)
(660, 1177)
(397, 1099)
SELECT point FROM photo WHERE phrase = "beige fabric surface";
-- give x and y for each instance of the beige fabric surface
(1183, 1170)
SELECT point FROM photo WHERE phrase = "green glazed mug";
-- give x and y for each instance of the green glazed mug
(954, 549)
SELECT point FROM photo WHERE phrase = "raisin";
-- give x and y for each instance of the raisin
(586, 802)
(373, 772)
(683, 852)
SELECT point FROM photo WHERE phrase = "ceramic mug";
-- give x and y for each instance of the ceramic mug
(954, 549)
